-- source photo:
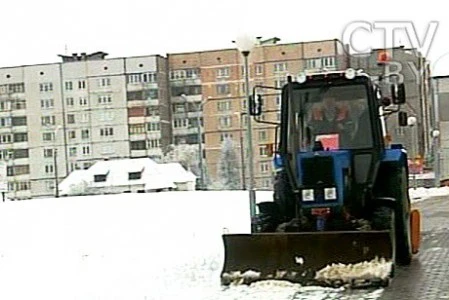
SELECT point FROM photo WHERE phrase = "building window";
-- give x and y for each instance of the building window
(180, 123)
(224, 105)
(138, 145)
(5, 122)
(71, 119)
(223, 72)
(280, 67)
(85, 134)
(21, 153)
(263, 151)
(49, 169)
(136, 128)
(134, 175)
(81, 84)
(225, 135)
(6, 154)
(104, 81)
(47, 103)
(5, 138)
(86, 150)
(18, 104)
(328, 62)
(100, 177)
(19, 121)
(223, 89)
(106, 131)
(18, 170)
(68, 85)
(48, 153)
(70, 101)
(153, 126)
(83, 101)
(142, 77)
(262, 135)
(48, 136)
(20, 137)
(225, 121)
(104, 99)
(259, 69)
(15, 88)
(154, 143)
(46, 87)
(72, 151)
(48, 120)
(5, 105)
(264, 167)
(72, 134)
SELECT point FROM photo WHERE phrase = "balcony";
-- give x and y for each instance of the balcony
(139, 103)
(141, 86)
(136, 120)
(189, 98)
(185, 81)
(186, 130)
(137, 137)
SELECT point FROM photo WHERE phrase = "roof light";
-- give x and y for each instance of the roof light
(301, 78)
(350, 73)
(383, 56)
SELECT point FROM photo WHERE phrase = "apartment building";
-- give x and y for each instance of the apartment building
(215, 82)
(416, 75)
(55, 118)
(440, 92)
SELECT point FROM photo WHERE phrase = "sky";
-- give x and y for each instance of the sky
(36, 32)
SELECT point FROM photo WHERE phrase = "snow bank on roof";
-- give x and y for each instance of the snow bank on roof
(176, 172)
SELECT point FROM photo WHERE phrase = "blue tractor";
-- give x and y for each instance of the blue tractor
(341, 188)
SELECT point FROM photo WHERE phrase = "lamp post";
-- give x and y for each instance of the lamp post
(245, 45)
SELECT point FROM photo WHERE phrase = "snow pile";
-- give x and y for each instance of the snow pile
(346, 273)
(237, 278)
(421, 194)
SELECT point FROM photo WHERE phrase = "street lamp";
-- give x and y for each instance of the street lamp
(245, 44)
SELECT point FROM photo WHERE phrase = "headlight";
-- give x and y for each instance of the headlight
(330, 193)
(307, 195)
(350, 73)
(301, 78)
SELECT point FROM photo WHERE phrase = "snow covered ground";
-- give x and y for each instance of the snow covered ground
(420, 194)
(130, 246)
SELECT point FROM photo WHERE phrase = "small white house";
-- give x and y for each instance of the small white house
(139, 175)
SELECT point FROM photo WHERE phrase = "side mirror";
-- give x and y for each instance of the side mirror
(398, 93)
(403, 119)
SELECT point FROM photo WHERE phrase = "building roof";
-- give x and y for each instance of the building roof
(153, 175)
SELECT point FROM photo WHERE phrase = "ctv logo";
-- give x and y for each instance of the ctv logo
(362, 36)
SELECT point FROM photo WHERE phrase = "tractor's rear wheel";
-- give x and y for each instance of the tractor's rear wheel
(402, 212)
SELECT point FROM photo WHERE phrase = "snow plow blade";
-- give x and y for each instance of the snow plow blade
(297, 257)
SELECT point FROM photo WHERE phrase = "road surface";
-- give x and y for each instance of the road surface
(428, 275)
